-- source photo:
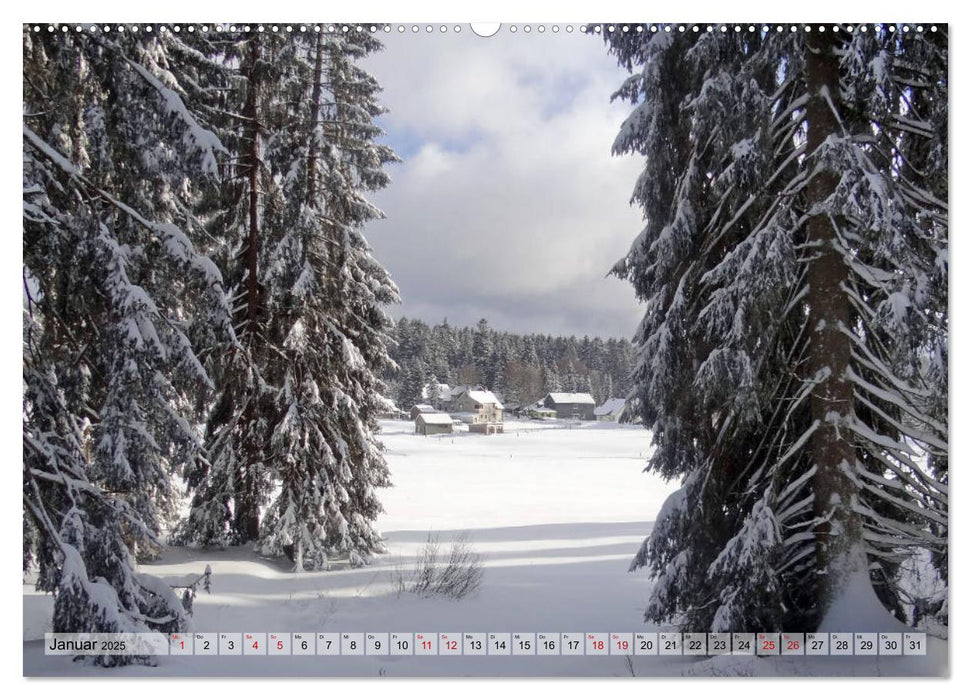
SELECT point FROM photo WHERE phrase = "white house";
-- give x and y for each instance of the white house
(480, 409)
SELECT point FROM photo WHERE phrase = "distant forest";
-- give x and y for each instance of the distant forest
(520, 368)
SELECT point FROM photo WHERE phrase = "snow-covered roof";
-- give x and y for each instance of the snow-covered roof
(484, 397)
(609, 407)
(435, 418)
(424, 408)
(559, 397)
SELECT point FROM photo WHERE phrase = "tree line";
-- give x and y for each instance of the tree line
(521, 368)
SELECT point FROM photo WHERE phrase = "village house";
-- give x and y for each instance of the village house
(390, 410)
(480, 409)
(421, 408)
(575, 406)
(538, 411)
(456, 391)
(541, 413)
(611, 410)
(433, 423)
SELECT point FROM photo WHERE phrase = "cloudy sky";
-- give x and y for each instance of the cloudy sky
(507, 205)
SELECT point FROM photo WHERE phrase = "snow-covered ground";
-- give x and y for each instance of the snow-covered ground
(556, 513)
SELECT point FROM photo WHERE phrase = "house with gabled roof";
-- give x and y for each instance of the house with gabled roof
(433, 423)
(421, 408)
(577, 406)
(611, 410)
(481, 409)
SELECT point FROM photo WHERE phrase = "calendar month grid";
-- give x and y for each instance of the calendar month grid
(491, 644)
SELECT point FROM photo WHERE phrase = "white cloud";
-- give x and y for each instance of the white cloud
(509, 205)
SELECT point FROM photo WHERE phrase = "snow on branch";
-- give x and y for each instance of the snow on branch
(201, 138)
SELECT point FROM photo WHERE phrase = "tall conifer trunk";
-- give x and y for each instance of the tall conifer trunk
(247, 517)
(337, 207)
(312, 151)
(838, 529)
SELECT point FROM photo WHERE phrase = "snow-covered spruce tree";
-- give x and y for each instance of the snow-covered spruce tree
(291, 435)
(414, 380)
(231, 484)
(921, 142)
(112, 282)
(325, 293)
(792, 359)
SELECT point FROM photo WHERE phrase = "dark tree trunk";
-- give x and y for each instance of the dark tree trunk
(839, 530)
(314, 122)
(247, 515)
(253, 173)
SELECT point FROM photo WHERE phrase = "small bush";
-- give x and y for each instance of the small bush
(453, 575)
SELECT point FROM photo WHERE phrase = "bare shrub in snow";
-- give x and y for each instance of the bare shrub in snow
(452, 574)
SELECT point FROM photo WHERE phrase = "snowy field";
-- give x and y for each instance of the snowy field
(555, 512)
